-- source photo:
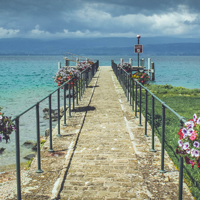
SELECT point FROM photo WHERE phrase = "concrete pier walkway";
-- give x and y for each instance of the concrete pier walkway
(102, 153)
(112, 158)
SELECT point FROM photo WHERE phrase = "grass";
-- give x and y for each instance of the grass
(185, 102)
(28, 163)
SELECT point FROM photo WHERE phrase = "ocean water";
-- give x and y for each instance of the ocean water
(25, 80)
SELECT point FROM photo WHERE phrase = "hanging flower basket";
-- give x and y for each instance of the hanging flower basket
(142, 77)
(6, 127)
(126, 66)
(66, 73)
(85, 65)
(189, 143)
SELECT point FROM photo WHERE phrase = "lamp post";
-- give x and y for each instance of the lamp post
(138, 37)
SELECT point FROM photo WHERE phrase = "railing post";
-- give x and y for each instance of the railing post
(73, 85)
(50, 127)
(146, 111)
(123, 82)
(87, 79)
(38, 138)
(65, 124)
(140, 117)
(152, 124)
(77, 91)
(163, 139)
(121, 78)
(133, 95)
(69, 88)
(128, 87)
(136, 100)
(131, 80)
(180, 178)
(58, 101)
(84, 81)
(81, 85)
(18, 159)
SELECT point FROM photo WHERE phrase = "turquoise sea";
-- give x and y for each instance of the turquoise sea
(24, 80)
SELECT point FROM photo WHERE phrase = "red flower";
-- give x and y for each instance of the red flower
(187, 160)
(59, 78)
(192, 162)
(198, 164)
(180, 133)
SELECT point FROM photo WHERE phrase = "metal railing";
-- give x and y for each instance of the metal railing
(79, 86)
(130, 87)
(73, 57)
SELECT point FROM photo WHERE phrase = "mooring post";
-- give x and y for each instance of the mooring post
(77, 61)
(142, 62)
(67, 62)
(59, 65)
(131, 61)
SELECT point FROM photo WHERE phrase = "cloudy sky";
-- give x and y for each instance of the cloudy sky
(52, 19)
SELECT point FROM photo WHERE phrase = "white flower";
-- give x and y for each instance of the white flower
(180, 143)
(198, 120)
(188, 151)
(190, 131)
(196, 152)
(189, 124)
(1, 117)
(186, 145)
(194, 117)
(192, 152)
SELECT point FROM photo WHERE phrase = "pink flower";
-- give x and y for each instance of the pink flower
(193, 136)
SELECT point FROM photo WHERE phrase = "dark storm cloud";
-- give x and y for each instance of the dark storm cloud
(25, 14)
(56, 17)
(147, 7)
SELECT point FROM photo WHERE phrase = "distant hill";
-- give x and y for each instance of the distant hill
(101, 46)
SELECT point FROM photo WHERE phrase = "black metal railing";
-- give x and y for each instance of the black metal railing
(131, 87)
(78, 89)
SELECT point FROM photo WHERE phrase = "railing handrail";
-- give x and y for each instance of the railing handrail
(126, 86)
(162, 102)
(45, 97)
(80, 85)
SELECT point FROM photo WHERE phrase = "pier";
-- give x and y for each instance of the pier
(102, 153)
